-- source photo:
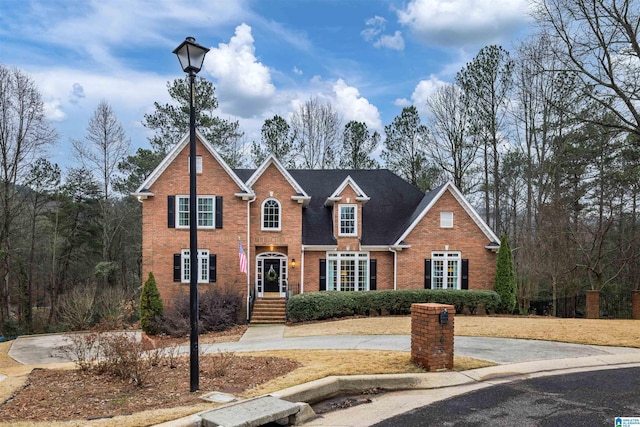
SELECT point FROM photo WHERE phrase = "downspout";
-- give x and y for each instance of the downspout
(395, 267)
(302, 270)
(248, 252)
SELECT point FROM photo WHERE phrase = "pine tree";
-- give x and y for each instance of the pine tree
(151, 307)
(505, 283)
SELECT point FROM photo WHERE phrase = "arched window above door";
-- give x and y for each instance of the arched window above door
(271, 215)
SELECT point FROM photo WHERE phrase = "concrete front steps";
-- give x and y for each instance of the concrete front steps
(269, 311)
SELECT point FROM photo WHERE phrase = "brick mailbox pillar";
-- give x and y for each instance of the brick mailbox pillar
(635, 305)
(431, 340)
(593, 304)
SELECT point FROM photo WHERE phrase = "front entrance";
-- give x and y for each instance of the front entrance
(271, 274)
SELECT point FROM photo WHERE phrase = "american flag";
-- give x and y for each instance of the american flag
(243, 258)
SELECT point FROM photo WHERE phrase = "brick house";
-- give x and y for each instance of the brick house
(308, 230)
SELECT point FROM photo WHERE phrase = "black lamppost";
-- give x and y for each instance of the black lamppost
(191, 56)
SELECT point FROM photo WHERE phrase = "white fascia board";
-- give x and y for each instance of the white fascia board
(304, 200)
(319, 248)
(465, 205)
(375, 248)
(331, 201)
(263, 167)
(245, 196)
(173, 153)
(142, 195)
(360, 195)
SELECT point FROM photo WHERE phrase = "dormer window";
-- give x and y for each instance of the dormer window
(348, 220)
(271, 215)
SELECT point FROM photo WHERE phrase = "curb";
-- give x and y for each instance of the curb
(325, 388)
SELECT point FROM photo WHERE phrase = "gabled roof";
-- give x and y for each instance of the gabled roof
(431, 198)
(300, 195)
(361, 196)
(144, 192)
(383, 216)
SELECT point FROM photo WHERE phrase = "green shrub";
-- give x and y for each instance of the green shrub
(329, 305)
(11, 329)
(505, 281)
(151, 308)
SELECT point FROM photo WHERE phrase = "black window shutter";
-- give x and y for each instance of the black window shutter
(177, 268)
(427, 273)
(373, 271)
(219, 212)
(465, 274)
(171, 211)
(323, 275)
(212, 268)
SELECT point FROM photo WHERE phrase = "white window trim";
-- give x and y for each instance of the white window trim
(213, 204)
(354, 256)
(203, 258)
(446, 219)
(355, 220)
(279, 227)
(446, 257)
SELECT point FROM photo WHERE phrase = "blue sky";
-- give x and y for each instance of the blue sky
(369, 58)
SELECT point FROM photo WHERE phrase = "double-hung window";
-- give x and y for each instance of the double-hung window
(271, 215)
(348, 220)
(446, 219)
(347, 271)
(445, 270)
(206, 211)
(203, 266)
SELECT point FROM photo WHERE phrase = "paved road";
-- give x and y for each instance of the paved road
(579, 399)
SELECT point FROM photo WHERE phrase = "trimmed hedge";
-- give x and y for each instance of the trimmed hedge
(329, 305)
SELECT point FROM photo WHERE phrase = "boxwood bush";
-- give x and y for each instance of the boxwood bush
(330, 305)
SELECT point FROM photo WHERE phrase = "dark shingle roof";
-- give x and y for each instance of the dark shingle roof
(393, 202)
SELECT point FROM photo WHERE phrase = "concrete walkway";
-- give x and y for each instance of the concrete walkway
(42, 349)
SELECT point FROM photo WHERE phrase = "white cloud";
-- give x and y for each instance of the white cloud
(401, 102)
(52, 110)
(467, 22)
(423, 90)
(395, 42)
(375, 26)
(297, 71)
(352, 106)
(243, 83)
(374, 33)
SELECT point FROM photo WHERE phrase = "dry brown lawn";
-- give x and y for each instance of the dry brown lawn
(623, 333)
(322, 363)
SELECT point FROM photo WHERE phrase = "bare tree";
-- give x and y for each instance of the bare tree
(105, 146)
(357, 146)
(24, 134)
(405, 150)
(487, 80)
(453, 145)
(276, 140)
(315, 131)
(598, 41)
(44, 180)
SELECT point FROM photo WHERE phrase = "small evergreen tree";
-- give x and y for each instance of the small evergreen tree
(505, 283)
(151, 307)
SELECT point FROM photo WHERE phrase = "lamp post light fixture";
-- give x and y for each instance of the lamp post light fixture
(191, 56)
